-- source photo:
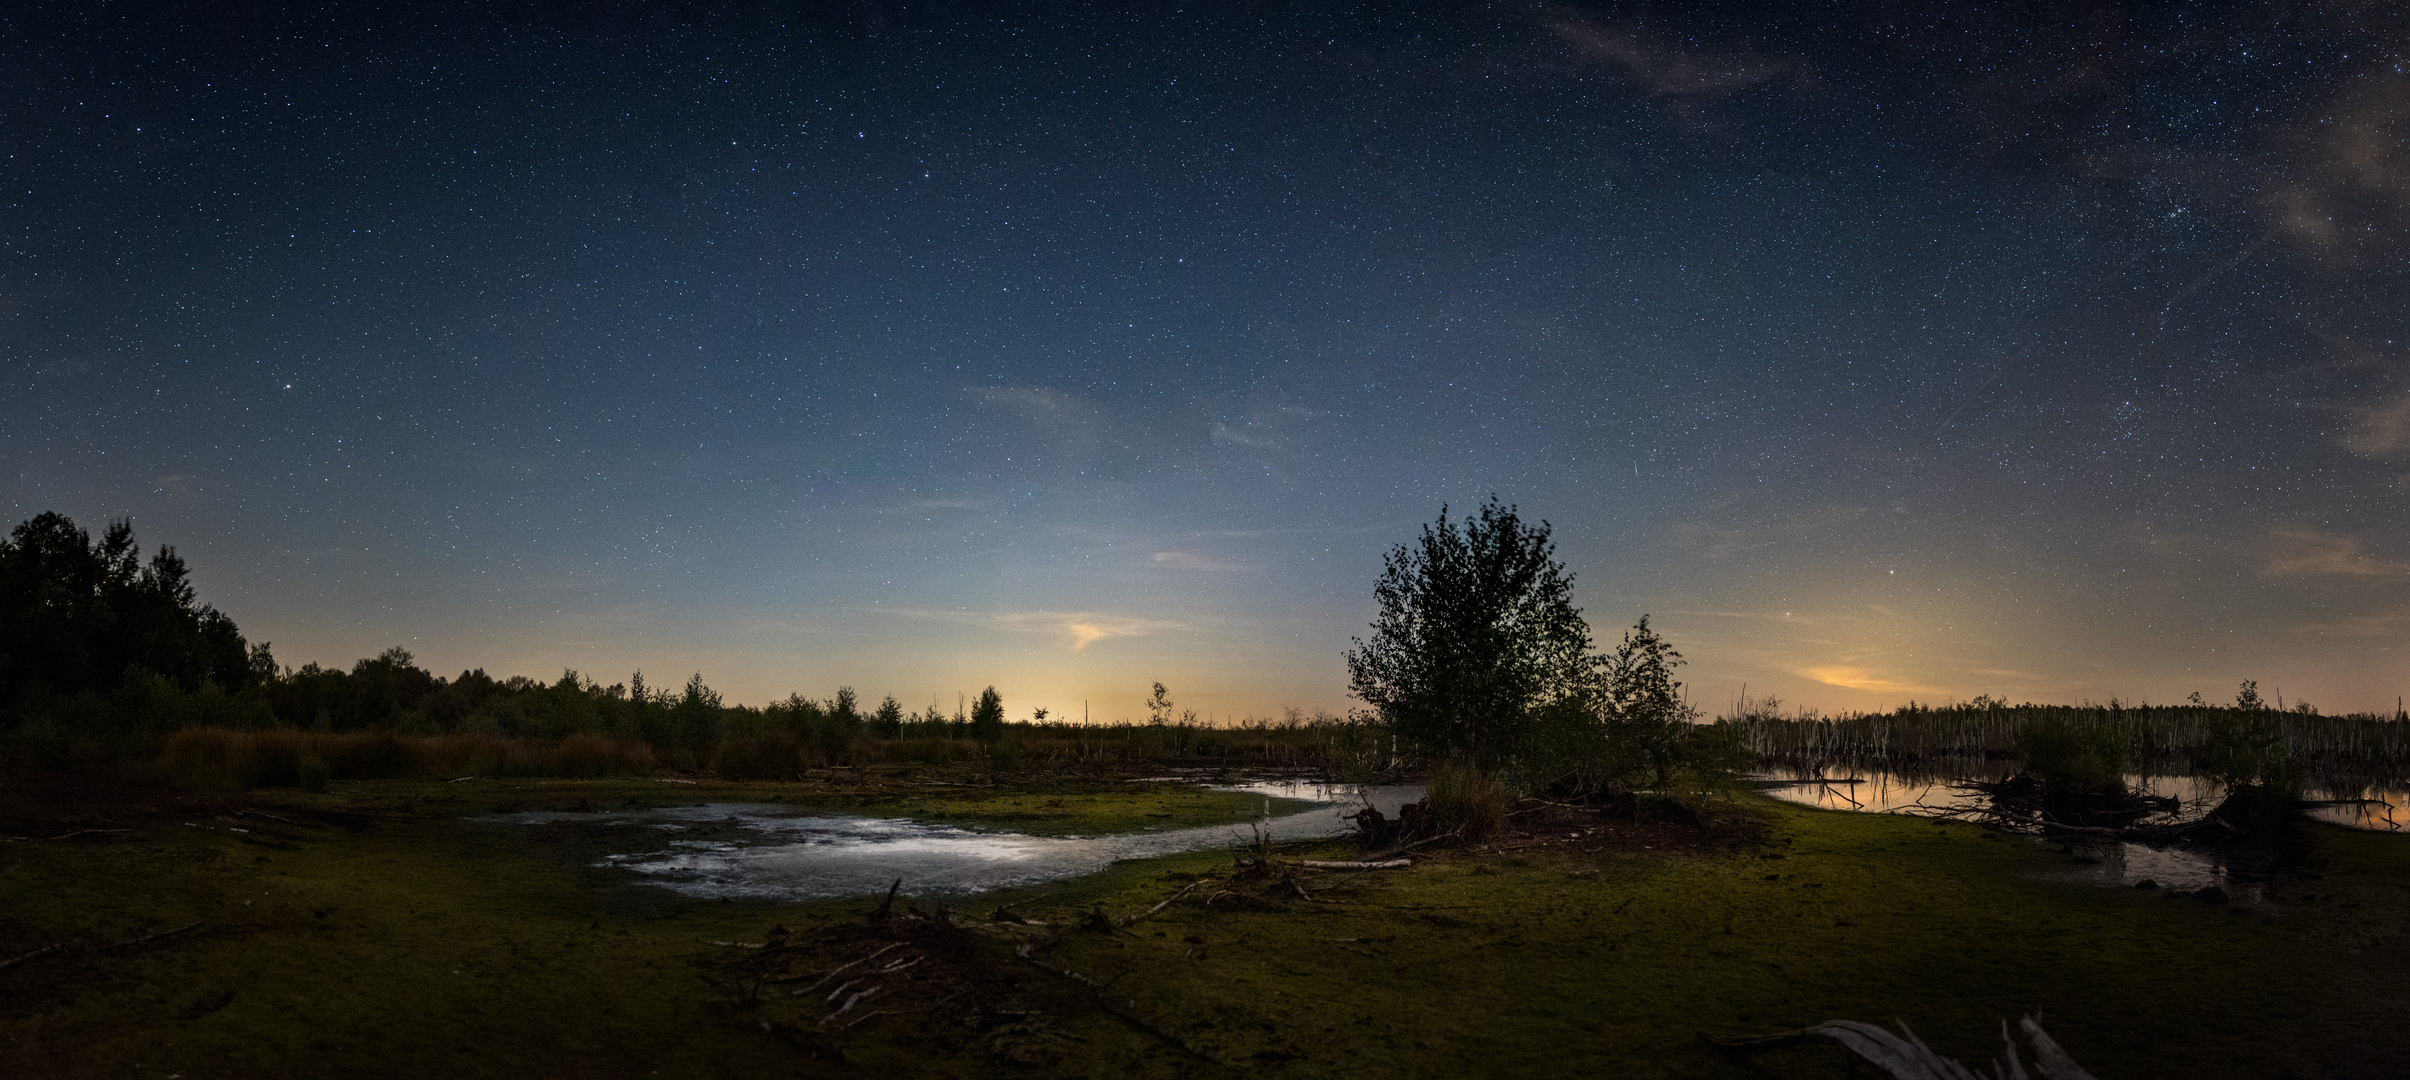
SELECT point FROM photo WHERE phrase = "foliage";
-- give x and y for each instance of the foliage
(987, 716)
(1476, 638)
(1461, 796)
(2246, 752)
(2072, 761)
(888, 722)
(83, 617)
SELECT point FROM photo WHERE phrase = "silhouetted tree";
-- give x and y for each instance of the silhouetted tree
(888, 722)
(1159, 706)
(987, 716)
(843, 712)
(82, 617)
(1476, 636)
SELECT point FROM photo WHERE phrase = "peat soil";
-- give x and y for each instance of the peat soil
(377, 930)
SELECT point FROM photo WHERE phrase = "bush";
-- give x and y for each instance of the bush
(587, 755)
(767, 757)
(2071, 761)
(1462, 796)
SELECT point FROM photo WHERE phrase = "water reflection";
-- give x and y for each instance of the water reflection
(772, 851)
(1885, 791)
(2094, 861)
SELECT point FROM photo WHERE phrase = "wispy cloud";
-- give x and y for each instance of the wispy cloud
(2359, 627)
(2346, 197)
(2384, 429)
(2307, 552)
(1185, 560)
(1082, 628)
(1079, 629)
(1056, 413)
(1858, 678)
(1669, 71)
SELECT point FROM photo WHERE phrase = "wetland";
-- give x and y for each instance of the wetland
(497, 927)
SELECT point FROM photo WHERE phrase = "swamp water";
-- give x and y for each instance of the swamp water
(2098, 862)
(760, 850)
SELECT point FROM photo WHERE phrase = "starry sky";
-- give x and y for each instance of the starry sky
(1878, 352)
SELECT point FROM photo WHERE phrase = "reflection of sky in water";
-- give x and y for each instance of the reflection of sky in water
(1879, 791)
(2104, 862)
(773, 852)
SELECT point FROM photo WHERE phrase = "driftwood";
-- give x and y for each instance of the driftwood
(1097, 991)
(1400, 850)
(1167, 902)
(842, 969)
(887, 906)
(1906, 1057)
(148, 938)
(1334, 864)
(34, 955)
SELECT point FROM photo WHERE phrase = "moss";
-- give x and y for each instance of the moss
(373, 933)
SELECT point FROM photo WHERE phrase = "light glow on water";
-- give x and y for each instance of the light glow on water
(776, 852)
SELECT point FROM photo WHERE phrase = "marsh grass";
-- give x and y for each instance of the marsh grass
(218, 759)
(1464, 798)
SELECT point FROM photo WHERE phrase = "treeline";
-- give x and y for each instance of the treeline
(2193, 737)
(105, 659)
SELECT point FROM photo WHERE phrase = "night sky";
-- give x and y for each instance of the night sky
(1880, 353)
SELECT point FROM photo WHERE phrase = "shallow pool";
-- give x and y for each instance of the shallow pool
(774, 851)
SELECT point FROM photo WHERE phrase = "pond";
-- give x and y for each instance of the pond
(1886, 791)
(2093, 861)
(777, 852)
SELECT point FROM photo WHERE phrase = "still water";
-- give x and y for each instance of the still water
(2091, 861)
(1880, 791)
(772, 851)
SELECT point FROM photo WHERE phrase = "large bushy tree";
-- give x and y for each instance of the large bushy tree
(78, 616)
(1477, 639)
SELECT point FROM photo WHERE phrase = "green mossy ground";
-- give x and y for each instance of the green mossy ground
(379, 932)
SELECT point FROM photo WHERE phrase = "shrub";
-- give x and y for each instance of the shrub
(1462, 796)
(2073, 761)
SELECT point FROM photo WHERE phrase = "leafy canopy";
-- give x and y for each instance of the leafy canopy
(1476, 637)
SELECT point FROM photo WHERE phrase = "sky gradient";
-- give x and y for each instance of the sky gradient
(1895, 354)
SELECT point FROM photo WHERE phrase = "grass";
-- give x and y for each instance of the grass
(378, 933)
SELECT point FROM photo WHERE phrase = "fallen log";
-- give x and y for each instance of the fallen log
(1342, 864)
(1396, 851)
(1097, 991)
(148, 938)
(840, 969)
(34, 955)
(1167, 902)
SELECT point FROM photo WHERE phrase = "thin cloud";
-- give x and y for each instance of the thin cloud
(1061, 415)
(1858, 678)
(2347, 194)
(2383, 430)
(1666, 71)
(2362, 627)
(2305, 552)
(1184, 560)
(1082, 628)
